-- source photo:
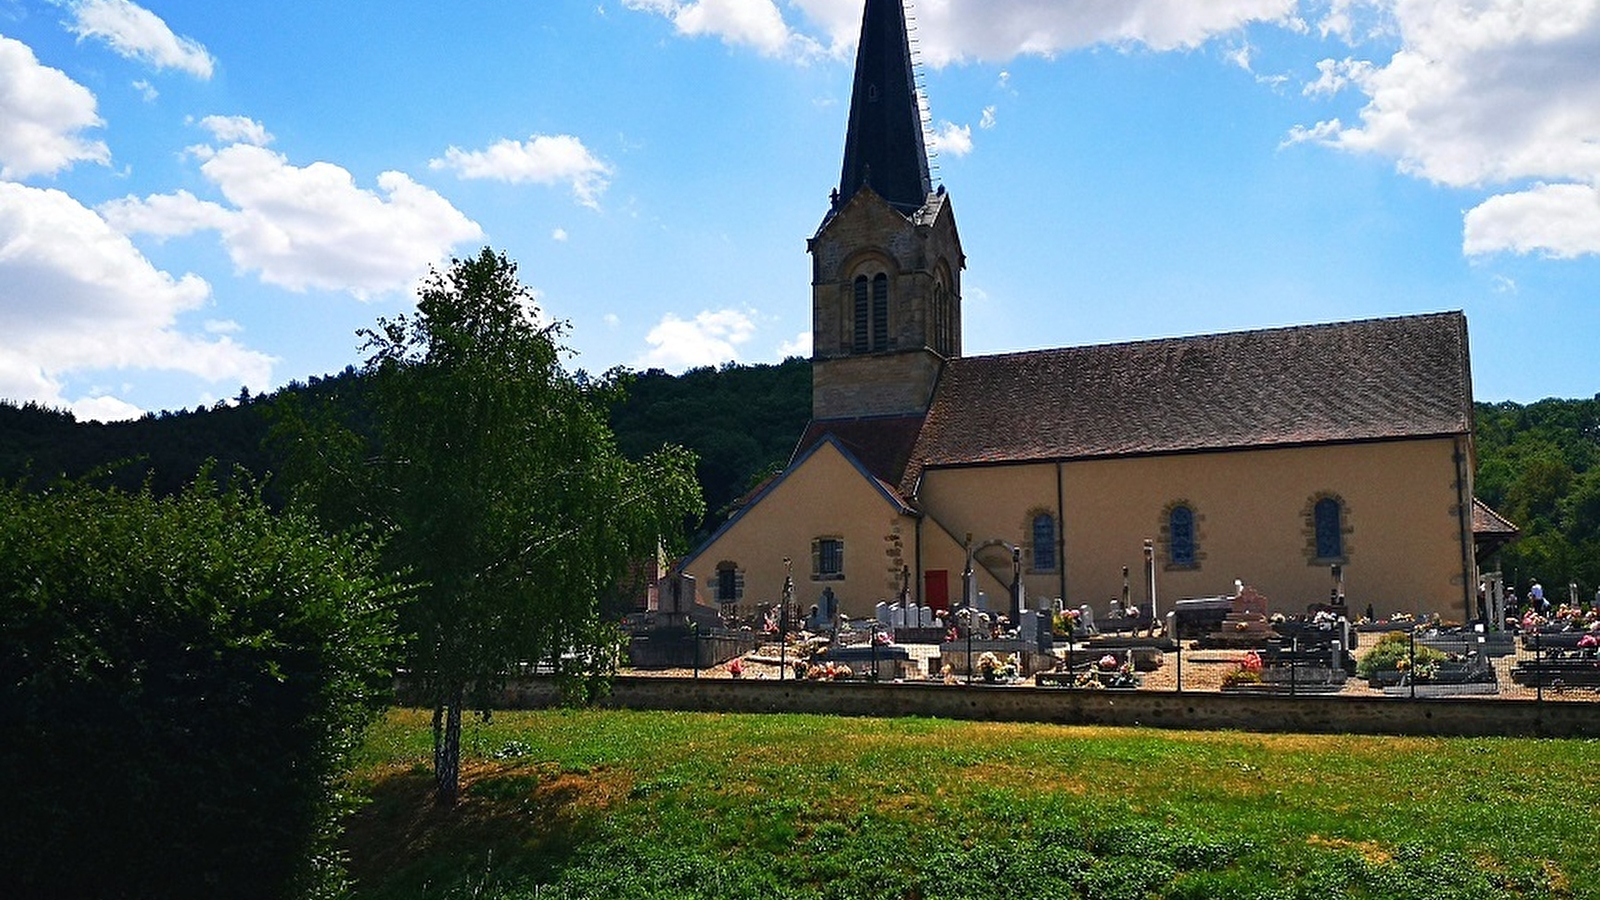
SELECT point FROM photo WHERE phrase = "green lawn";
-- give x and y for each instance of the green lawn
(663, 805)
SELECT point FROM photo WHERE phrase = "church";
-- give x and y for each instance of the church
(1302, 461)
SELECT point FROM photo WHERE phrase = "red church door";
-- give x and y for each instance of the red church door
(936, 589)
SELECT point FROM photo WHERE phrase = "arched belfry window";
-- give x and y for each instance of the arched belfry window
(871, 298)
(880, 312)
(863, 315)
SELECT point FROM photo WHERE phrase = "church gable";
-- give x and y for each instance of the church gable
(838, 527)
(824, 480)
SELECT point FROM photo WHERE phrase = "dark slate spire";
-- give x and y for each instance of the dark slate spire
(884, 145)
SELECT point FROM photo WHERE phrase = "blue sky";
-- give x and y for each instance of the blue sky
(196, 197)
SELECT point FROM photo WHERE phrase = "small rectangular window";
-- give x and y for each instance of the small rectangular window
(730, 583)
(827, 559)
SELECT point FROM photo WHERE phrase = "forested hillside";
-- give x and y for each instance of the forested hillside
(741, 421)
(1538, 464)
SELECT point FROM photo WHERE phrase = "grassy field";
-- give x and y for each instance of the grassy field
(665, 805)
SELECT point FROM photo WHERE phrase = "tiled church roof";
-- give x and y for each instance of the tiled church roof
(881, 444)
(1374, 379)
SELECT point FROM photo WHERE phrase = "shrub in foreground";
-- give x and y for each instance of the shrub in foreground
(181, 684)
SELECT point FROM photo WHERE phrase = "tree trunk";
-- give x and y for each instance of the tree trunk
(447, 749)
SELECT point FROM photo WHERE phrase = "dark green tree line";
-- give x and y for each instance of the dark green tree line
(1539, 466)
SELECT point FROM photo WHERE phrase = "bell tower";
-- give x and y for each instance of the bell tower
(886, 262)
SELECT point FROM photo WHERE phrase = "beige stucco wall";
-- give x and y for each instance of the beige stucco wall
(1403, 531)
(826, 496)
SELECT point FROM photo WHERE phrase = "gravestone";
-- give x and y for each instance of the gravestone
(1246, 623)
(881, 612)
(828, 605)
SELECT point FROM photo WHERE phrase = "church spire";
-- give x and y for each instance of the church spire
(884, 145)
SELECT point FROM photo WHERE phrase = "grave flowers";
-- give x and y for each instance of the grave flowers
(994, 669)
(736, 667)
(1248, 672)
(1110, 672)
(828, 672)
(989, 667)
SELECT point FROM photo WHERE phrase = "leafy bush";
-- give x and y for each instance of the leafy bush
(182, 682)
(1387, 654)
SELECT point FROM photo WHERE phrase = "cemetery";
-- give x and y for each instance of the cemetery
(1242, 643)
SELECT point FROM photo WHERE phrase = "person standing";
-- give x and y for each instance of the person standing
(1537, 600)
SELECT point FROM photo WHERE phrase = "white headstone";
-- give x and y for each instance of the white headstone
(882, 610)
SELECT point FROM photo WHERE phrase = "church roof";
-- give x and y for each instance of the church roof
(884, 145)
(881, 444)
(1376, 379)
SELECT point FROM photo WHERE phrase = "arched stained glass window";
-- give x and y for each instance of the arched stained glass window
(1044, 543)
(1180, 536)
(1329, 523)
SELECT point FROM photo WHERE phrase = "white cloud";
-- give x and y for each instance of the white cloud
(1496, 93)
(956, 140)
(1320, 132)
(998, 30)
(988, 121)
(308, 227)
(1240, 56)
(79, 297)
(237, 130)
(992, 30)
(137, 33)
(753, 23)
(559, 234)
(42, 111)
(1335, 75)
(799, 346)
(1557, 220)
(103, 408)
(711, 338)
(543, 159)
(146, 90)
